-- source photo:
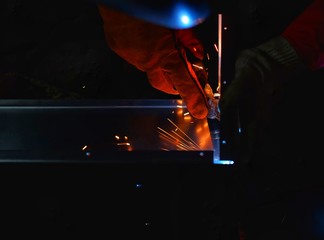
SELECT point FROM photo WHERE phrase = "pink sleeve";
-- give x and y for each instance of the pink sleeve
(306, 35)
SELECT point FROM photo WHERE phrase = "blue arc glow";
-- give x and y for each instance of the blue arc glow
(179, 14)
(185, 16)
(185, 19)
(224, 162)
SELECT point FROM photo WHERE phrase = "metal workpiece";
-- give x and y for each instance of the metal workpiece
(117, 131)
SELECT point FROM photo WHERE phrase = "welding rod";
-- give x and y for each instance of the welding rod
(213, 110)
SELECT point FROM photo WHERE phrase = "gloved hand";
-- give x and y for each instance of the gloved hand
(258, 84)
(163, 54)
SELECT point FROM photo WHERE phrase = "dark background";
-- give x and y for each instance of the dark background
(56, 49)
(52, 49)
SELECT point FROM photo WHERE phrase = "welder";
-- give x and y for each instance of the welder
(275, 48)
(263, 65)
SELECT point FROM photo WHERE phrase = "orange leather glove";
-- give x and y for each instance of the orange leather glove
(163, 54)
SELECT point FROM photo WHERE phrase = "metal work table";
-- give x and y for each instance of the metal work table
(116, 131)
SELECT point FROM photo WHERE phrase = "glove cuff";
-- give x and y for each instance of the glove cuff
(281, 51)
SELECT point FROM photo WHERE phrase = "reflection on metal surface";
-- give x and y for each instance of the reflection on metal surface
(178, 138)
(224, 162)
(123, 143)
(113, 131)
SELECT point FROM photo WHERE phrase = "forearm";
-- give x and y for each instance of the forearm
(306, 35)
